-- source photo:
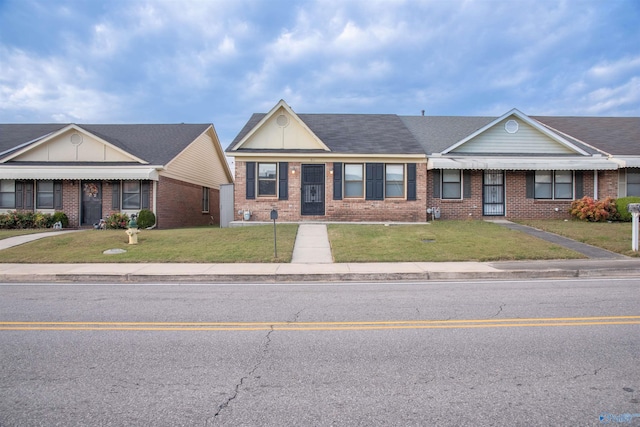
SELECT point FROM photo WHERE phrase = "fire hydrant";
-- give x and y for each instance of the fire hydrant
(133, 231)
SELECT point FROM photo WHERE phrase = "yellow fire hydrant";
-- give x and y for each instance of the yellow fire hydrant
(133, 231)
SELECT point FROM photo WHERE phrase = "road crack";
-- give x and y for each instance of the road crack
(250, 374)
(499, 310)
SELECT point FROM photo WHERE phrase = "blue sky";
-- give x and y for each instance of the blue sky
(139, 61)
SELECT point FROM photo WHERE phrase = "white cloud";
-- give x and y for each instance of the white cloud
(613, 69)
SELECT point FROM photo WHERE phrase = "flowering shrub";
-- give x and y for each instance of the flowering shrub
(588, 209)
(117, 220)
(22, 220)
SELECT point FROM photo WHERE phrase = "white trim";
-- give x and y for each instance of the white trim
(282, 104)
(80, 172)
(533, 123)
(521, 163)
(77, 128)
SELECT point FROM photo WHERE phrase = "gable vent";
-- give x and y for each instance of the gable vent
(282, 120)
(511, 126)
(76, 139)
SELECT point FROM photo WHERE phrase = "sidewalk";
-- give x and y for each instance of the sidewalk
(312, 262)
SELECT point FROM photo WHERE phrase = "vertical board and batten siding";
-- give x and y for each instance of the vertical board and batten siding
(60, 149)
(527, 140)
(227, 210)
(200, 163)
(275, 136)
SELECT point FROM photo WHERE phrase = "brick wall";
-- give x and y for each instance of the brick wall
(517, 204)
(335, 210)
(180, 204)
(71, 202)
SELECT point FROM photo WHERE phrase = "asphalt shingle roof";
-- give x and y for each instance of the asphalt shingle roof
(155, 143)
(353, 133)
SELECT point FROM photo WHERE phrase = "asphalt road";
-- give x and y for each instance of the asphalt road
(399, 354)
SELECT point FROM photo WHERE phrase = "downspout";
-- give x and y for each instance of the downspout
(595, 185)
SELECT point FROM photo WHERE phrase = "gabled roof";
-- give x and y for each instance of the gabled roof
(156, 144)
(349, 133)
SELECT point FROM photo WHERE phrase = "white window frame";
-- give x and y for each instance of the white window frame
(402, 182)
(347, 181)
(553, 184)
(443, 182)
(274, 180)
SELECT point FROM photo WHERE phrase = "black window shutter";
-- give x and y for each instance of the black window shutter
(375, 181)
(466, 184)
(251, 180)
(579, 185)
(19, 195)
(28, 195)
(144, 194)
(283, 181)
(411, 181)
(115, 195)
(337, 181)
(531, 184)
(57, 195)
(436, 183)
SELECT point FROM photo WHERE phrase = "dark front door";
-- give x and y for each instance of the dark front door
(312, 189)
(493, 193)
(91, 202)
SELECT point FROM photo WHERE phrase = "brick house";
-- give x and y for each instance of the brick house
(349, 167)
(92, 171)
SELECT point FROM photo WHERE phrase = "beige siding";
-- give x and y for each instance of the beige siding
(200, 163)
(62, 149)
(527, 140)
(282, 134)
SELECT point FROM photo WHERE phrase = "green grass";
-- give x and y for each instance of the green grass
(614, 236)
(439, 241)
(203, 244)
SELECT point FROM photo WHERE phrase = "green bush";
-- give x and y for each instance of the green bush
(621, 205)
(146, 218)
(62, 218)
(117, 220)
(25, 220)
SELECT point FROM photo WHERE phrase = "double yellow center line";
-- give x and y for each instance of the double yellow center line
(319, 326)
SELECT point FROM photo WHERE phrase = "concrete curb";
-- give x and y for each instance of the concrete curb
(319, 277)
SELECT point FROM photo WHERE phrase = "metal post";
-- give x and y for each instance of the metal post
(634, 231)
(274, 216)
(634, 208)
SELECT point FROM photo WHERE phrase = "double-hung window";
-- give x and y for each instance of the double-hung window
(267, 179)
(44, 195)
(554, 185)
(394, 180)
(451, 184)
(7, 194)
(131, 195)
(353, 180)
(633, 182)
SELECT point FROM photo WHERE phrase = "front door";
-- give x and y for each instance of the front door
(91, 202)
(312, 189)
(493, 193)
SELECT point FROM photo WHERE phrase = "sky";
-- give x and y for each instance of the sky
(219, 61)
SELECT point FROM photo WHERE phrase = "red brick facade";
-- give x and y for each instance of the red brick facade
(518, 206)
(347, 209)
(180, 204)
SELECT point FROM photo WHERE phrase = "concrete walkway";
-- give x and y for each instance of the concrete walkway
(26, 238)
(312, 245)
(583, 248)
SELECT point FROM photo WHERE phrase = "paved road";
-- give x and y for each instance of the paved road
(477, 354)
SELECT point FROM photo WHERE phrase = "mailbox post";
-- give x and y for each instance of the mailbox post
(274, 216)
(634, 208)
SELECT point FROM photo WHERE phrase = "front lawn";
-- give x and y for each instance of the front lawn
(202, 244)
(613, 236)
(438, 241)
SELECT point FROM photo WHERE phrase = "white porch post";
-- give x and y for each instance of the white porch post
(634, 208)
(595, 185)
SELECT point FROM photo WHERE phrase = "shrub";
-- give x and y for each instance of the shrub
(41, 220)
(62, 218)
(621, 205)
(146, 218)
(588, 209)
(117, 220)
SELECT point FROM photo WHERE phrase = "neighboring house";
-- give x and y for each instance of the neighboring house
(398, 168)
(92, 171)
